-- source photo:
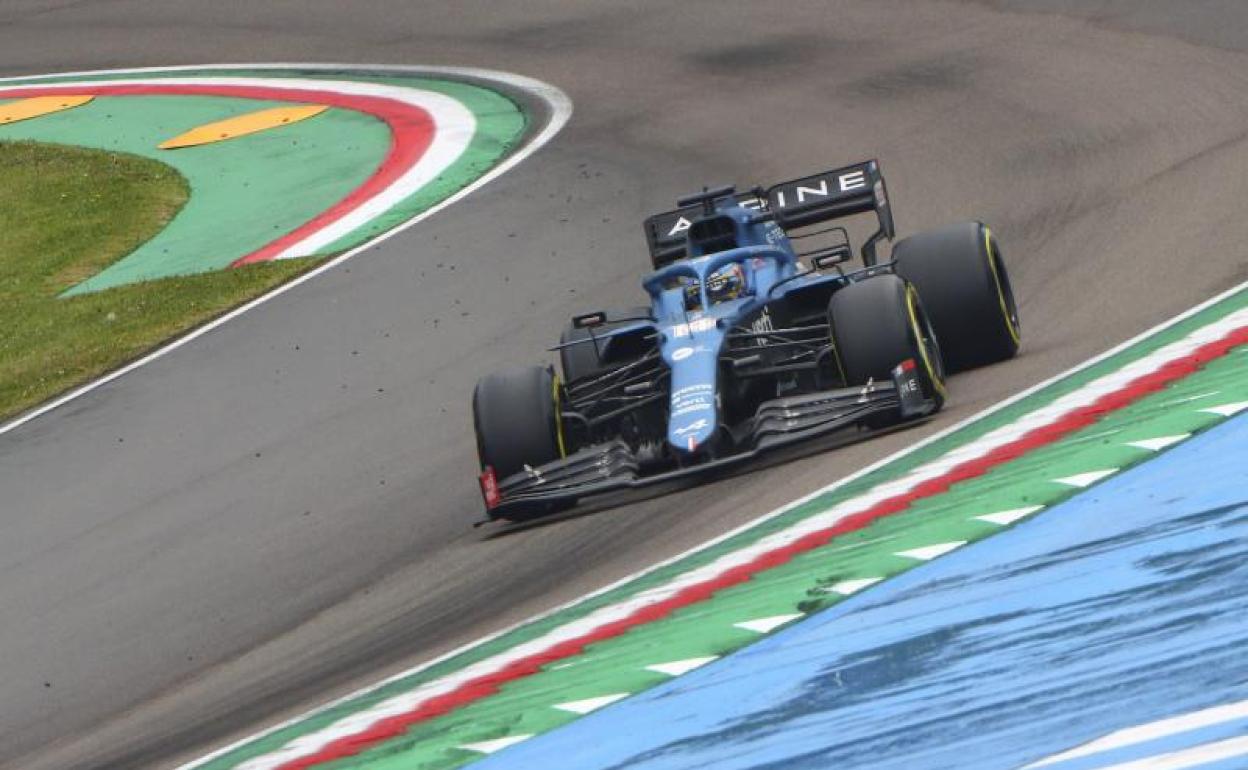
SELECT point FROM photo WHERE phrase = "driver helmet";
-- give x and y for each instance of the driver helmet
(726, 283)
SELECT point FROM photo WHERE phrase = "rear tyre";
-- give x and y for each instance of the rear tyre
(516, 416)
(580, 361)
(876, 324)
(962, 279)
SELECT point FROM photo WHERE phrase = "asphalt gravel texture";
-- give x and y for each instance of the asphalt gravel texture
(279, 512)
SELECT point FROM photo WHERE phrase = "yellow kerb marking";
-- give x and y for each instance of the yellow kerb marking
(243, 125)
(25, 109)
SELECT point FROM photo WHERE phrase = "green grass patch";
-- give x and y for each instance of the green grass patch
(65, 214)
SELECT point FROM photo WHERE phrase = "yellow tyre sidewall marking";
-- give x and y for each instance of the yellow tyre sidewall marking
(563, 451)
(938, 383)
(996, 280)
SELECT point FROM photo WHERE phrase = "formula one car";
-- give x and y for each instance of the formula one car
(744, 347)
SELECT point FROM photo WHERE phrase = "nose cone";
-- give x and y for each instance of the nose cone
(693, 417)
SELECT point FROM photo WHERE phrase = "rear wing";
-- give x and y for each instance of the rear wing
(835, 194)
(795, 204)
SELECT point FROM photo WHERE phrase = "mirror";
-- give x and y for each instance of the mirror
(831, 256)
(589, 320)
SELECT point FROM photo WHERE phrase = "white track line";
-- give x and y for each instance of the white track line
(1085, 480)
(768, 624)
(681, 667)
(929, 552)
(1227, 410)
(1006, 518)
(1196, 756)
(851, 587)
(1160, 443)
(556, 101)
(490, 747)
(589, 705)
(1162, 728)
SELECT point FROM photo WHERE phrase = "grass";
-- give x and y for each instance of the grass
(66, 213)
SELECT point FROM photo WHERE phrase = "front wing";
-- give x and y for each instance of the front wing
(782, 422)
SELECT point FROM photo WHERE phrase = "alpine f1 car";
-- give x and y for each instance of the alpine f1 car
(747, 345)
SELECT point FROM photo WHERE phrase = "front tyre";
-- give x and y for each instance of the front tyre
(876, 324)
(516, 416)
(962, 278)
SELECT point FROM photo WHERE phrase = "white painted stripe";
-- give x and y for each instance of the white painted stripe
(1083, 480)
(1045, 415)
(1218, 328)
(681, 667)
(1162, 728)
(1160, 443)
(1193, 757)
(555, 100)
(1096, 437)
(591, 704)
(489, 747)
(929, 552)
(1005, 518)
(455, 126)
(851, 587)
(1187, 399)
(1227, 410)
(767, 625)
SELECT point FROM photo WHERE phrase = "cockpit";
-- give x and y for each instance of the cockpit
(725, 284)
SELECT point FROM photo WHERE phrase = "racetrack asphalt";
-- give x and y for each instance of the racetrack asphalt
(279, 511)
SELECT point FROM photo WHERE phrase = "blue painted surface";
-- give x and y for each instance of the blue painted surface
(1125, 605)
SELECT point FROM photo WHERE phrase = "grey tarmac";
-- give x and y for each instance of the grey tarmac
(279, 512)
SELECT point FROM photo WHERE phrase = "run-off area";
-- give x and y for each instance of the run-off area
(1124, 607)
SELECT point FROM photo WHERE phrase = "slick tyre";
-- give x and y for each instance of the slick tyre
(965, 287)
(876, 324)
(580, 361)
(516, 416)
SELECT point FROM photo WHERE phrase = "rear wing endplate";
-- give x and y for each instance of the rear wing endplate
(665, 234)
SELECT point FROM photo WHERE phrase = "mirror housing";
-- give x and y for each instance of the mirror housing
(831, 257)
(589, 320)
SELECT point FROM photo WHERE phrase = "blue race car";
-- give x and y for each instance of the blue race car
(747, 345)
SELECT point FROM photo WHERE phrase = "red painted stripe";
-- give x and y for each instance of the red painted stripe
(411, 132)
(481, 687)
